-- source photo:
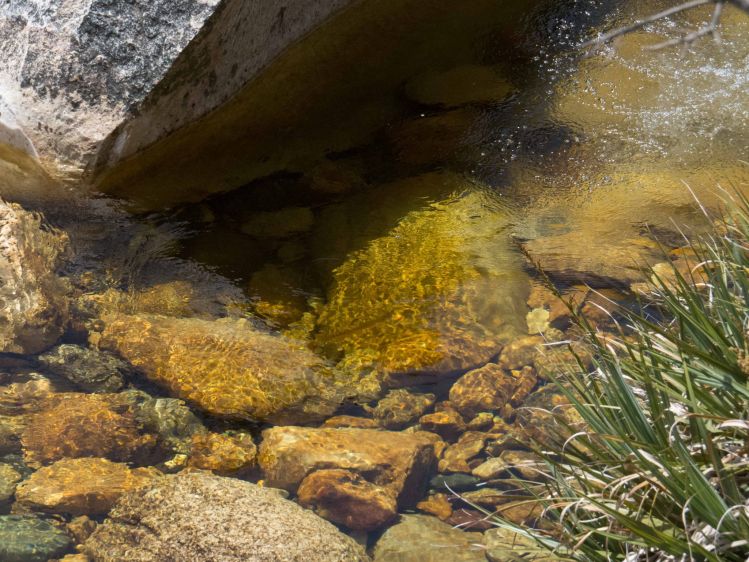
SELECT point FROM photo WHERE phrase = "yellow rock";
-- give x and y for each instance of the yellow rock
(228, 367)
(85, 486)
(222, 454)
(440, 291)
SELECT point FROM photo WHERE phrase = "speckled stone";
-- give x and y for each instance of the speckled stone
(89, 369)
(199, 516)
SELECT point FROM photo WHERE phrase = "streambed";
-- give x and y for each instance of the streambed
(369, 321)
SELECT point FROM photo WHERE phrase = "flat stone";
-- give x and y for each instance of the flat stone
(345, 498)
(446, 422)
(421, 538)
(89, 369)
(351, 421)
(399, 462)
(199, 514)
(457, 457)
(85, 486)
(223, 454)
(24, 538)
(438, 505)
(229, 368)
(73, 425)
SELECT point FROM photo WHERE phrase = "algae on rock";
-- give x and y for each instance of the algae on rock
(439, 291)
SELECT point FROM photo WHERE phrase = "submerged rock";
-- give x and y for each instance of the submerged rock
(445, 422)
(346, 498)
(76, 425)
(491, 388)
(33, 301)
(195, 515)
(223, 454)
(24, 538)
(440, 291)
(228, 367)
(461, 85)
(86, 486)
(401, 407)
(398, 462)
(89, 369)
(9, 479)
(421, 538)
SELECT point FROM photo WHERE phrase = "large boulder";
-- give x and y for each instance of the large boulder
(33, 304)
(228, 367)
(430, 284)
(198, 516)
(398, 462)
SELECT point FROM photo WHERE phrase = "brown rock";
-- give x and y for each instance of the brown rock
(399, 462)
(223, 454)
(447, 423)
(524, 464)
(490, 388)
(462, 85)
(78, 557)
(438, 505)
(86, 486)
(11, 429)
(400, 407)
(469, 520)
(23, 397)
(351, 421)
(344, 497)
(84, 425)
(559, 311)
(228, 367)
(483, 421)
(558, 360)
(520, 352)
(456, 457)
(81, 528)
(9, 478)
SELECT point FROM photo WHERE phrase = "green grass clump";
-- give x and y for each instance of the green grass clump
(660, 470)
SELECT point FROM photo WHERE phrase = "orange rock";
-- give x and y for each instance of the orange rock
(489, 388)
(75, 425)
(521, 352)
(344, 497)
(223, 454)
(87, 486)
(401, 407)
(351, 421)
(447, 423)
(456, 457)
(400, 462)
(438, 505)
(81, 528)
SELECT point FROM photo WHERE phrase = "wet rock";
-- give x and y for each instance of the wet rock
(547, 417)
(175, 298)
(85, 486)
(335, 177)
(504, 545)
(11, 428)
(438, 505)
(33, 299)
(89, 369)
(75, 425)
(521, 352)
(525, 464)
(454, 482)
(437, 292)
(215, 518)
(562, 360)
(24, 397)
(24, 538)
(78, 557)
(228, 367)
(559, 311)
(345, 498)
(459, 86)
(400, 408)
(421, 538)
(483, 421)
(81, 528)
(277, 296)
(523, 512)
(445, 422)
(469, 519)
(279, 224)
(399, 462)
(460, 456)
(490, 388)
(223, 454)
(9, 479)
(351, 421)
(169, 419)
